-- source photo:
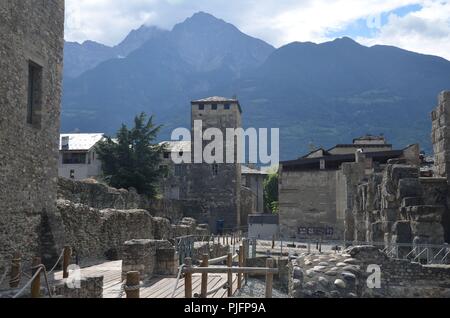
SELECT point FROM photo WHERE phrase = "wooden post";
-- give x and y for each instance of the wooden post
(36, 284)
(241, 264)
(227, 240)
(133, 280)
(66, 261)
(269, 278)
(273, 241)
(15, 275)
(246, 246)
(188, 279)
(230, 275)
(223, 239)
(204, 289)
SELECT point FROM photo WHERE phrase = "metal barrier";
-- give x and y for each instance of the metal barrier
(423, 253)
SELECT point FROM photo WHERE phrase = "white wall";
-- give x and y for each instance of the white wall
(81, 171)
(262, 231)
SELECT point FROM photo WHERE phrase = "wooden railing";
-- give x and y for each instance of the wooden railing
(204, 269)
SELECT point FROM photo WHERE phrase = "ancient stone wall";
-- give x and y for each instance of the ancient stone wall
(95, 233)
(399, 207)
(31, 36)
(101, 196)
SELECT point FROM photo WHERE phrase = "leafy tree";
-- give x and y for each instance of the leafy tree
(271, 192)
(133, 158)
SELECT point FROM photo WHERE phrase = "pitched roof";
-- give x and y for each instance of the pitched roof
(248, 170)
(79, 142)
(217, 99)
(333, 162)
(177, 146)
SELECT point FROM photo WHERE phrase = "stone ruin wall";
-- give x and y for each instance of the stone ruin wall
(397, 206)
(440, 136)
(98, 219)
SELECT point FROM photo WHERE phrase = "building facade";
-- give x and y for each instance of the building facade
(31, 62)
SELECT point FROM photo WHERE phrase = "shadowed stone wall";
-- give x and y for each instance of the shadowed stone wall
(31, 45)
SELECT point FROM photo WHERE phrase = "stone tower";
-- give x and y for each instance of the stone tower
(31, 61)
(217, 185)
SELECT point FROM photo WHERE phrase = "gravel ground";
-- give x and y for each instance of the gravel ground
(256, 289)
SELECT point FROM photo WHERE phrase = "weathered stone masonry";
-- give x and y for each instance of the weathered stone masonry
(31, 51)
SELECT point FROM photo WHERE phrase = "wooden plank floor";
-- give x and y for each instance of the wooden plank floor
(160, 287)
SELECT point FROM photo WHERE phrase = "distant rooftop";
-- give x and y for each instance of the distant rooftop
(80, 142)
(248, 170)
(177, 146)
(370, 139)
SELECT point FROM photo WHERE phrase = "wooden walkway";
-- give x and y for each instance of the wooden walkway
(160, 287)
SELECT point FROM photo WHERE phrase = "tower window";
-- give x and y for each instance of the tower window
(166, 155)
(34, 102)
(215, 169)
(201, 107)
(214, 107)
(227, 106)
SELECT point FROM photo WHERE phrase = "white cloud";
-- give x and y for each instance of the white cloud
(425, 31)
(277, 22)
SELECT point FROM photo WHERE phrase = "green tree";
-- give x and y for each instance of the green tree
(271, 192)
(133, 158)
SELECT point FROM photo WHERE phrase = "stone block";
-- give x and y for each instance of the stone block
(87, 287)
(412, 201)
(409, 187)
(401, 232)
(389, 215)
(167, 261)
(139, 255)
(425, 213)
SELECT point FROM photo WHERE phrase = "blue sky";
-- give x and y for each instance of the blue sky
(418, 25)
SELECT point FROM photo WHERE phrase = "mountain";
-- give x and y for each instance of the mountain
(319, 94)
(79, 58)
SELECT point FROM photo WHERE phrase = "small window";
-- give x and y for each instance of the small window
(214, 106)
(166, 155)
(201, 107)
(215, 169)
(72, 174)
(70, 158)
(34, 101)
(181, 153)
(227, 106)
(322, 164)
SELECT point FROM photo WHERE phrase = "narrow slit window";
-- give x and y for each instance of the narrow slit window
(34, 102)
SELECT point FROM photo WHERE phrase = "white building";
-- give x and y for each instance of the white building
(77, 157)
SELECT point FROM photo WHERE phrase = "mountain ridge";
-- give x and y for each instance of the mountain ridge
(320, 94)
